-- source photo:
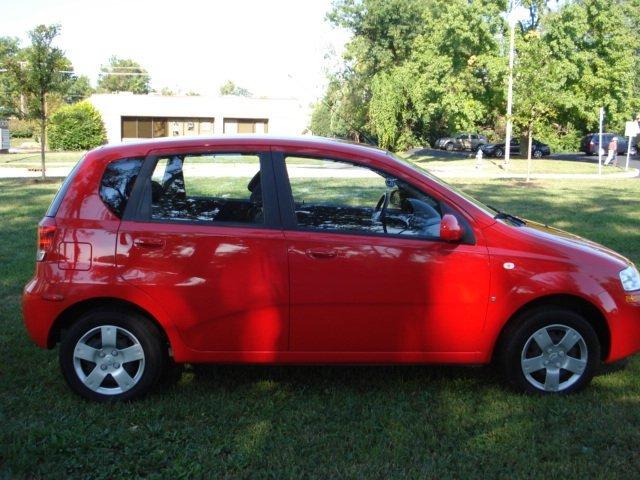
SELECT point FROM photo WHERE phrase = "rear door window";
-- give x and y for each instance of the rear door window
(212, 188)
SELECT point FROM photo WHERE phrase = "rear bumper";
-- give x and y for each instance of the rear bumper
(39, 311)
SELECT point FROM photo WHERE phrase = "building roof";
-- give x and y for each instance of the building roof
(195, 106)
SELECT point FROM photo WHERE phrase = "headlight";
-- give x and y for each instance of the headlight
(630, 278)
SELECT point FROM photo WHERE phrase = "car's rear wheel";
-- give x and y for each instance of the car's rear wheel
(499, 153)
(112, 355)
(449, 147)
(537, 153)
(550, 351)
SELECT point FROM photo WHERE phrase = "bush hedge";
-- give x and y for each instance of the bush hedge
(21, 128)
(76, 127)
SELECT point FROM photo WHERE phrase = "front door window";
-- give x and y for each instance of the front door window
(339, 196)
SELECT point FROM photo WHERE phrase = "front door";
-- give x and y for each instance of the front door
(204, 243)
(369, 274)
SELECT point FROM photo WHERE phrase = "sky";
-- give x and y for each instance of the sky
(274, 48)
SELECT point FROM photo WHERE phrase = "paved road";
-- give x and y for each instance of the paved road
(634, 162)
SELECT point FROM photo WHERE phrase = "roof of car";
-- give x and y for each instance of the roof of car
(142, 147)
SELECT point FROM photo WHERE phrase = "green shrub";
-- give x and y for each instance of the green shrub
(76, 127)
(21, 128)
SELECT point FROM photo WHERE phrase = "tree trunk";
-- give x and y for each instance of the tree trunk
(529, 141)
(43, 133)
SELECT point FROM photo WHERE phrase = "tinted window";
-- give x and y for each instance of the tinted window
(340, 196)
(117, 183)
(210, 188)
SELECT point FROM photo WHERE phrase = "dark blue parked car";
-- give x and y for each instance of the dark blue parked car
(538, 149)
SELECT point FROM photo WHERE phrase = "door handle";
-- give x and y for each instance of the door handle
(321, 254)
(149, 242)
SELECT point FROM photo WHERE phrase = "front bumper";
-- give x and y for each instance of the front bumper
(624, 327)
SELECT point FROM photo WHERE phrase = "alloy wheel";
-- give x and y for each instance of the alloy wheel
(109, 360)
(554, 358)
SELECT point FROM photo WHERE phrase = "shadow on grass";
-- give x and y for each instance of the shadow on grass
(357, 378)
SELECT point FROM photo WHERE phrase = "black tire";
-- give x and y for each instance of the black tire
(499, 153)
(537, 154)
(449, 147)
(146, 372)
(515, 338)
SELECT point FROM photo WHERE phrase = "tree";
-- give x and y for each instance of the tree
(537, 9)
(597, 41)
(76, 127)
(321, 119)
(539, 86)
(230, 88)
(9, 86)
(78, 89)
(383, 34)
(167, 92)
(414, 70)
(42, 69)
(124, 75)
(453, 79)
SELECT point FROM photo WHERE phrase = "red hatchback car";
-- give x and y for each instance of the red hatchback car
(277, 250)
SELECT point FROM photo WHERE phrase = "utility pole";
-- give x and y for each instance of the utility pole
(507, 143)
(600, 149)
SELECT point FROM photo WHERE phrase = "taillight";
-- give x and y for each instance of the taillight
(46, 233)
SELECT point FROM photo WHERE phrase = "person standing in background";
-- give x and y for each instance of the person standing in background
(613, 152)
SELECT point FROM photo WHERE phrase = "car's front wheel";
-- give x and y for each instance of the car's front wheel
(111, 355)
(499, 153)
(449, 147)
(550, 350)
(537, 153)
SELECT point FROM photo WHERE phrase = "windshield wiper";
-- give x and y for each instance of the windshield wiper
(507, 216)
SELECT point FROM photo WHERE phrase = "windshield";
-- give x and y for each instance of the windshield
(486, 208)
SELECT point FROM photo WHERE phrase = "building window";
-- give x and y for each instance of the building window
(246, 125)
(148, 127)
(129, 128)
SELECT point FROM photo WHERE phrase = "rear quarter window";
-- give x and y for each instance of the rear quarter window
(117, 183)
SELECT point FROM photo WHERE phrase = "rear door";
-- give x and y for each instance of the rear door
(202, 238)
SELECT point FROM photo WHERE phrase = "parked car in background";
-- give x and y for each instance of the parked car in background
(497, 150)
(589, 143)
(245, 249)
(461, 141)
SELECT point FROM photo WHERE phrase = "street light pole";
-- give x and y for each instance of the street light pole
(507, 143)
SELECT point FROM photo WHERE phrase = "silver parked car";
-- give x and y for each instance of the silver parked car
(462, 141)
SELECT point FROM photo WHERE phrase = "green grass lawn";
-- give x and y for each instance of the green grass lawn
(32, 160)
(321, 422)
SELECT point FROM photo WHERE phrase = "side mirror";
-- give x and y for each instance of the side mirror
(450, 229)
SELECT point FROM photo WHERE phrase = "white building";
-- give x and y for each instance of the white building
(127, 116)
